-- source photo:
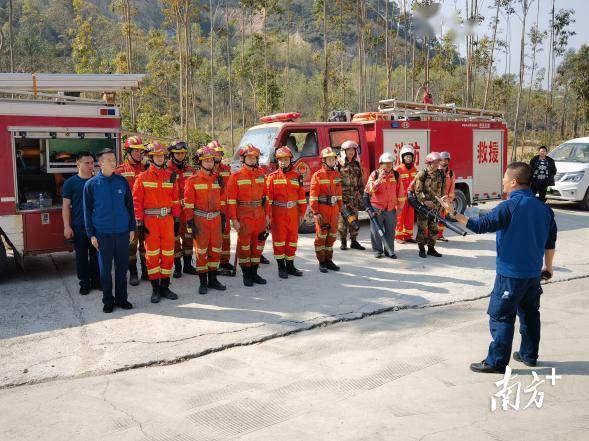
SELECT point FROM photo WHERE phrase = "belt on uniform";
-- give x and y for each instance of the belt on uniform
(207, 214)
(257, 203)
(328, 200)
(160, 212)
(289, 204)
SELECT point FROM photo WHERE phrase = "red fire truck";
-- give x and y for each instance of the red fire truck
(476, 140)
(40, 134)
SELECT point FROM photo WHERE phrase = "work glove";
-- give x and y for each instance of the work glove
(193, 228)
(142, 230)
(176, 226)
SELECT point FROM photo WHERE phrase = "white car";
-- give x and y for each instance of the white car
(571, 182)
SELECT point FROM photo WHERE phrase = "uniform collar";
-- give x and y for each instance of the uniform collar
(520, 192)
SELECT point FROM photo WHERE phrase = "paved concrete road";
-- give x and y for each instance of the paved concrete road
(399, 375)
(48, 331)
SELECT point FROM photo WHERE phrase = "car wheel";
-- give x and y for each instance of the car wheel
(460, 201)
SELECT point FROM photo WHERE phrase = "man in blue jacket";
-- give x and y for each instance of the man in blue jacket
(526, 236)
(110, 224)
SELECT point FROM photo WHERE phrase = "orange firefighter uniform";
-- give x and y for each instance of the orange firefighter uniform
(287, 204)
(449, 187)
(130, 169)
(246, 203)
(157, 203)
(405, 220)
(325, 198)
(202, 209)
(224, 171)
(183, 242)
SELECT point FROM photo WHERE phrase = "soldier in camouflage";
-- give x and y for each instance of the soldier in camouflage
(428, 184)
(352, 188)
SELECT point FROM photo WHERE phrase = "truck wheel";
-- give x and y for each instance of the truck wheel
(308, 224)
(460, 201)
(3, 259)
(584, 204)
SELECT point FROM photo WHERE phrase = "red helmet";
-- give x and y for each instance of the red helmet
(283, 152)
(178, 147)
(249, 150)
(204, 153)
(432, 156)
(134, 142)
(155, 148)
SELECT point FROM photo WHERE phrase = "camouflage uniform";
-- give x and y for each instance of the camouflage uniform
(427, 186)
(352, 188)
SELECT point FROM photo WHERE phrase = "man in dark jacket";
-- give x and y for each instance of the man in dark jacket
(526, 238)
(110, 225)
(543, 169)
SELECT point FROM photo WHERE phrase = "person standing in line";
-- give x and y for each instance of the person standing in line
(352, 186)
(72, 212)
(449, 187)
(110, 225)
(407, 173)
(384, 188)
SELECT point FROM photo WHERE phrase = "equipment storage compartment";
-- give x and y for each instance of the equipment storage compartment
(44, 231)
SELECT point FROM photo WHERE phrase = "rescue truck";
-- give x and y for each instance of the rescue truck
(42, 128)
(476, 140)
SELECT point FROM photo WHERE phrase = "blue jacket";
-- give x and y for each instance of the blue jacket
(108, 205)
(525, 228)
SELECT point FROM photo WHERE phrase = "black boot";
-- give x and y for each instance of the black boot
(291, 270)
(188, 268)
(214, 283)
(155, 291)
(247, 277)
(332, 266)
(263, 260)
(133, 276)
(422, 250)
(431, 251)
(227, 266)
(203, 288)
(255, 277)
(355, 245)
(344, 245)
(144, 275)
(323, 267)
(177, 268)
(165, 290)
(281, 269)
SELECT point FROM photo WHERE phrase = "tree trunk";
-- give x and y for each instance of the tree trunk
(287, 64)
(127, 14)
(229, 73)
(325, 65)
(180, 70)
(265, 12)
(490, 68)
(10, 35)
(386, 48)
(521, 77)
(547, 119)
(406, 32)
(212, 73)
(242, 66)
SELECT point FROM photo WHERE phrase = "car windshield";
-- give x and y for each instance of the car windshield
(571, 151)
(263, 138)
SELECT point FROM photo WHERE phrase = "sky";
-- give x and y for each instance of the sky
(581, 8)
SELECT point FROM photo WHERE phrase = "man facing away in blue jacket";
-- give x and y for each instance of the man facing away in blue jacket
(110, 224)
(526, 237)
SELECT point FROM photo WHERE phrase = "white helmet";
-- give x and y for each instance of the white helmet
(386, 157)
(407, 149)
(445, 155)
(349, 144)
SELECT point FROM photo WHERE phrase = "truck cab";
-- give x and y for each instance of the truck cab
(306, 140)
(571, 182)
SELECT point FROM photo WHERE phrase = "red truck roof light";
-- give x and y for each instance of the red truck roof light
(281, 117)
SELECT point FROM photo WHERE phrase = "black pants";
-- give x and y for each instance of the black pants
(113, 247)
(86, 259)
(540, 189)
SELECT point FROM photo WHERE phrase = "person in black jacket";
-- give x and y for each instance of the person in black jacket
(544, 169)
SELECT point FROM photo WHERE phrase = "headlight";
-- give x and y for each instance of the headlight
(573, 177)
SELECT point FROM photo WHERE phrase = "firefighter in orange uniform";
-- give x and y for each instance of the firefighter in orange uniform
(287, 204)
(157, 211)
(325, 200)
(407, 172)
(248, 211)
(202, 210)
(130, 169)
(224, 171)
(449, 186)
(178, 164)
